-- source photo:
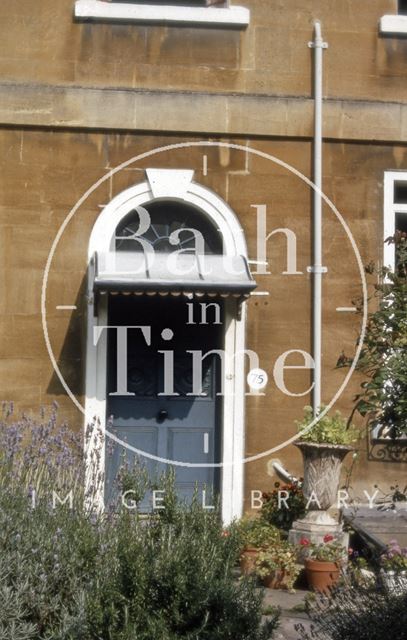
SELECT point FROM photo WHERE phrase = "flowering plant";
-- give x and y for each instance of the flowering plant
(330, 550)
(394, 558)
(283, 505)
(279, 556)
(61, 564)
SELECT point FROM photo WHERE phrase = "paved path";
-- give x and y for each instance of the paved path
(290, 605)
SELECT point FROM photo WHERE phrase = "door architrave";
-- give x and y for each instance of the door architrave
(233, 417)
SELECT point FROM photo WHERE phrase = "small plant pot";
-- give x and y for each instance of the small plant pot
(275, 579)
(248, 559)
(321, 576)
(394, 582)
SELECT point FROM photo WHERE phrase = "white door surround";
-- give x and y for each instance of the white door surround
(176, 185)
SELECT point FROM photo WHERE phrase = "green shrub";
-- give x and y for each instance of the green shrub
(357, 612)
(383, 362)
(67, 574)
(254, 532)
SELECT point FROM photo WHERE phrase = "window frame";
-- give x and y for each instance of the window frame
(228, 17)
(393, 25)
(391, 209)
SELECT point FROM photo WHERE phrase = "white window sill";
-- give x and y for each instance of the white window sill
(235, 17)
(393, 25)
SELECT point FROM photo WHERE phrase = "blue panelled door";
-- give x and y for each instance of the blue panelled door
(177, 427)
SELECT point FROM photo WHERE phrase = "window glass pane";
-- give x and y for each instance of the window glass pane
(403, 7)
(400, 192)
(401, 222)
(167, 218)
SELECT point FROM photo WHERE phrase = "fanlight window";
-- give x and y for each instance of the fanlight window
(166, 218)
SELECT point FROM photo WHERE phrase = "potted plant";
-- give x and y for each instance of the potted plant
(254, 536)
(394, 568)
(277, 565)
(322, 562)
(324, 447)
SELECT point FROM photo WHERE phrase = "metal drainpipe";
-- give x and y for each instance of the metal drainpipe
(317, 269)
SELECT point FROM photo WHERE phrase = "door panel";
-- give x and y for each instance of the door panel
(178, 427)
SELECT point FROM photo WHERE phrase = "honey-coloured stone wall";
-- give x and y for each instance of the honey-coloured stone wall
(42, 43)
(44, 173)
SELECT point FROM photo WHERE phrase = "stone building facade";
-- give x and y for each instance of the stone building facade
(225, 92)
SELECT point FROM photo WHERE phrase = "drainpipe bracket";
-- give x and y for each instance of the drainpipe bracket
(316, 269)
(318, 45)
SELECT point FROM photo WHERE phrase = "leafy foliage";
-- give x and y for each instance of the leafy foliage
(384, 354)
(328, 430)
(69, 573)
(357, 612)
(282, 514)
(280, 557)
(254, 532)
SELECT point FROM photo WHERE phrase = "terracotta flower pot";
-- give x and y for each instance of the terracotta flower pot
(321, 575)
(275, 579)
(248, 559)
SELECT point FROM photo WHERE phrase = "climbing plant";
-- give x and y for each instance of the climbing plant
(383, 361)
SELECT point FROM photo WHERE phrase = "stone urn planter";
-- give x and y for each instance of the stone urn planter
(322, 469)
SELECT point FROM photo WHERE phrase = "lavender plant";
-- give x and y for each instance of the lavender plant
(357, 611)
(68, 572)
(44, 456)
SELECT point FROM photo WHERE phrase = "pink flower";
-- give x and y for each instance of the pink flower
(304, 542)
(328, 538)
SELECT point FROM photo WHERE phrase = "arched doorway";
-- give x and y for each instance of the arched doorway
(203, 432)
